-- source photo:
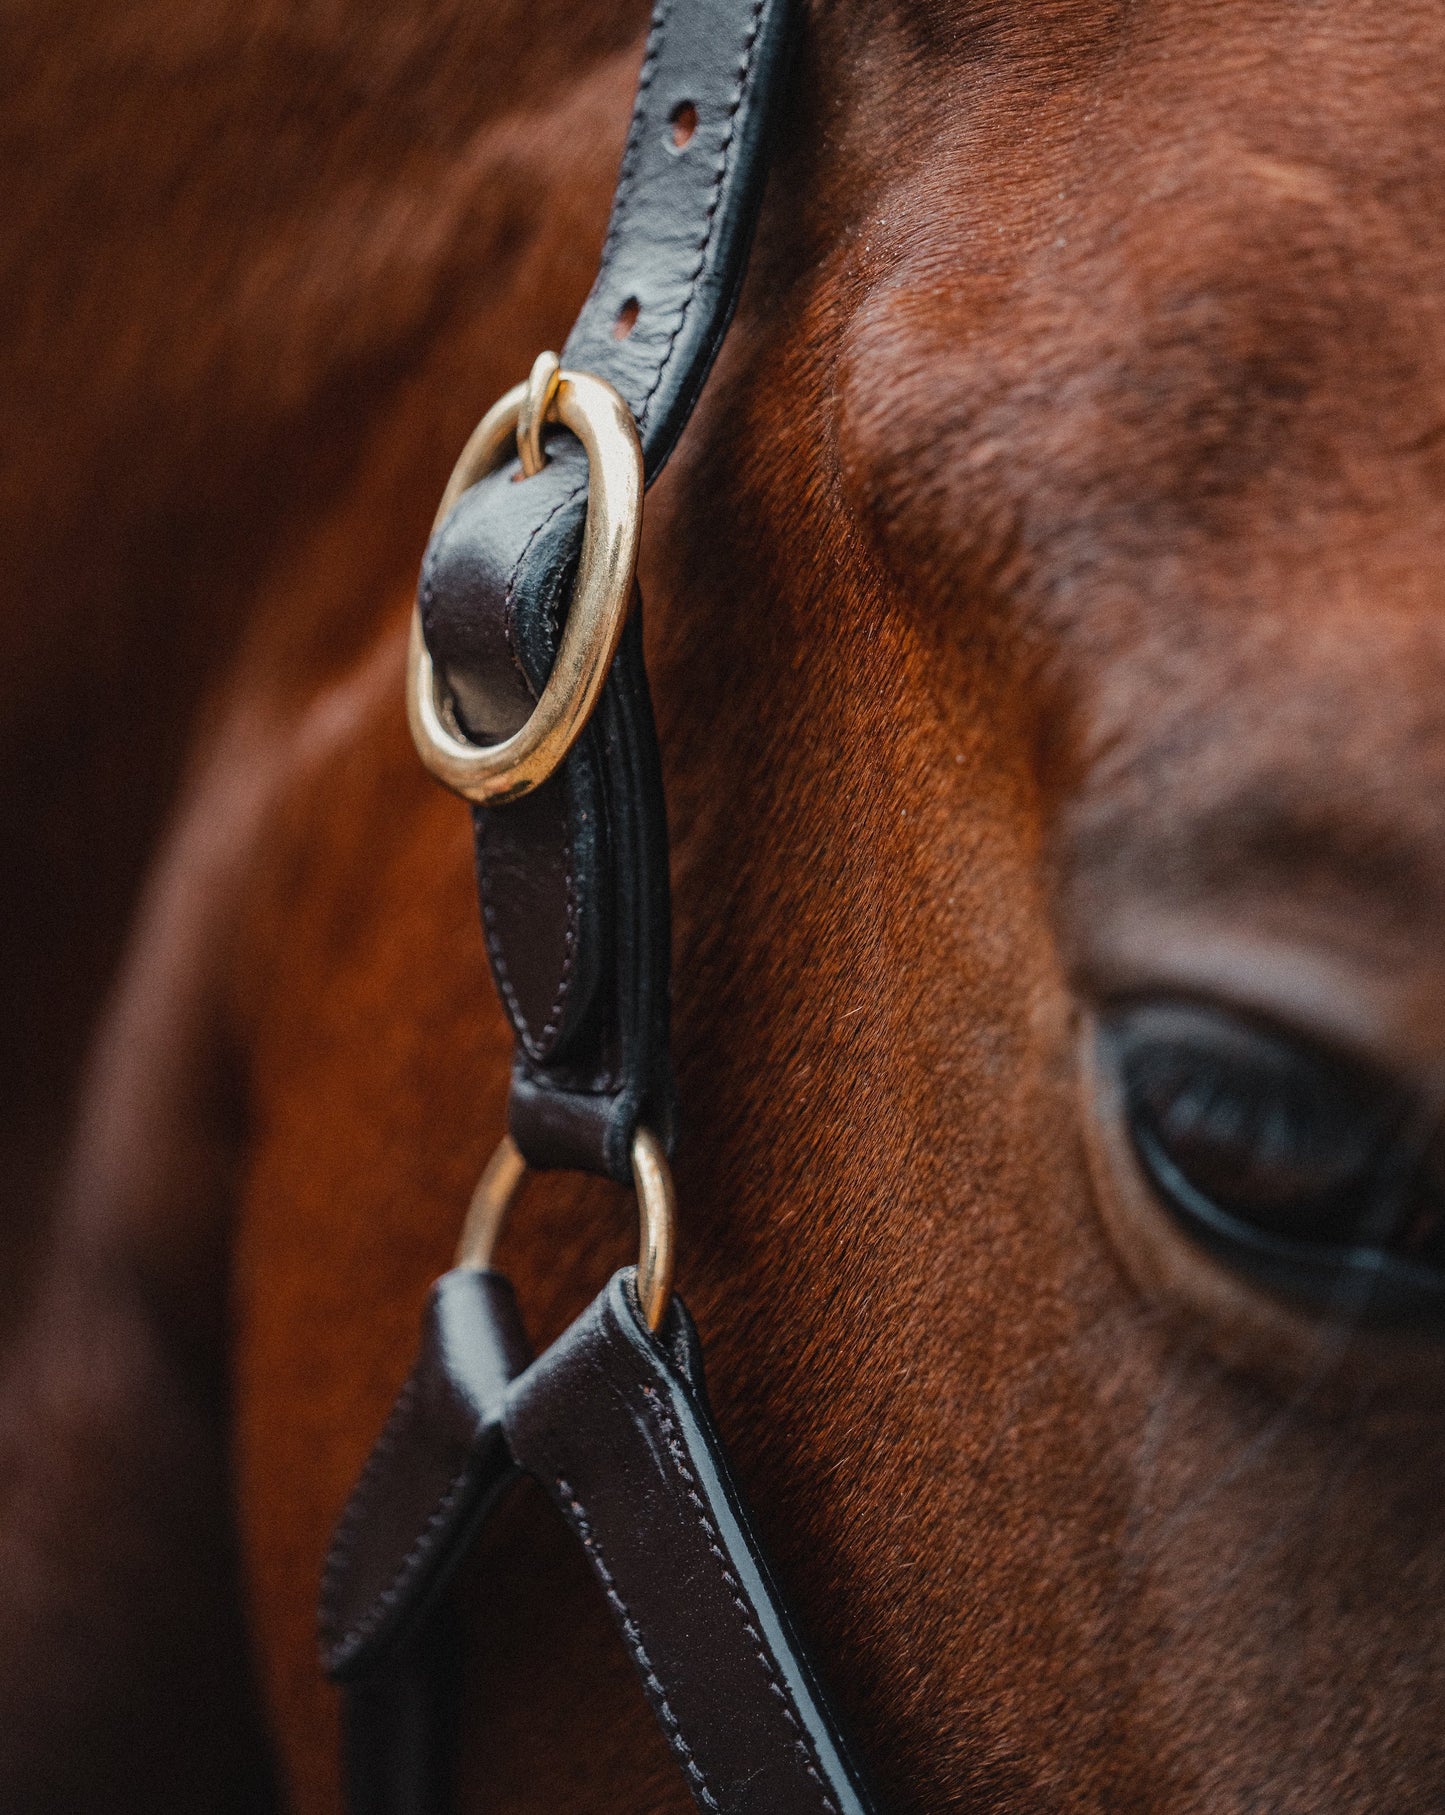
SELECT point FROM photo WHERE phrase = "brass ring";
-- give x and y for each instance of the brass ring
(604, 425)
(542, 382)
(656, 1210)
(657, 1216)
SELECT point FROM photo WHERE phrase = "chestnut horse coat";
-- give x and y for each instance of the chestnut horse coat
(1044, 614)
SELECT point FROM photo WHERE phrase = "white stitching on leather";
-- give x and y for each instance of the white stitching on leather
(535, 1045)
(634, 1641)
(679, 1459)
(627, 175)
(345, 1642)
(744, 65)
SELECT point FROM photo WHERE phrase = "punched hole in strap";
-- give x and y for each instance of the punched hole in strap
(683, 121)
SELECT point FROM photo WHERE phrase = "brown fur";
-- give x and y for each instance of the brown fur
(1044, 597)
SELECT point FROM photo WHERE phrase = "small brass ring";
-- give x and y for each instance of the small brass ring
(657, 1216)
(494, 1196)
(656, 1211)
(542, 384)
(503, 771)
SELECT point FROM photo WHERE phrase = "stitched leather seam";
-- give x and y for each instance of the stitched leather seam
(634, 1640)
(383, 1603)
(574, 919)
(358, 1510)
(699, 1506)
(509, 600)
(627, 175)
(534, 1044)
(359, 1505)
(499, 957)
(720, 175)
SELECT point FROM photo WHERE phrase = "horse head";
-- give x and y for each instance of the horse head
(1041, 611)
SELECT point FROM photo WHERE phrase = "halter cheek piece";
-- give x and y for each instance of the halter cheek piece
(527, 694)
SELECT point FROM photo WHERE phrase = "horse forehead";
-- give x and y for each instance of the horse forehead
(1117, 313)
(1149, 331)
(1152, 370)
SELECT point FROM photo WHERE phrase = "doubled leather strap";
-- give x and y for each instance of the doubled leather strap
(614, 1423)
(440, 1462)
(388, 1632)
(612, 1420)
(573, 880)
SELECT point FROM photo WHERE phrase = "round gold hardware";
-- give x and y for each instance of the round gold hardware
(498, 1186)
(601, 596)
(656, 1212)
(542, 384)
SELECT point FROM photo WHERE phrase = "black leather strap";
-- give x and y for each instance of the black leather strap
(439, 1464)
(574, 880)
(401, 1719)
(614, 1423)
(388, 1632)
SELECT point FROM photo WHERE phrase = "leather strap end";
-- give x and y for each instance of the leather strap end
(438, 1465)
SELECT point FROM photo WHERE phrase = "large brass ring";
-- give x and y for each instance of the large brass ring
(602, 422)
(656, 1212)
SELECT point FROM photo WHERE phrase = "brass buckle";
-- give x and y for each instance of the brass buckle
(656, 1208)
(602, 422)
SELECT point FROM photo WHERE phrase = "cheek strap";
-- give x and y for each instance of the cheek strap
(614, 1423)
(613, 1419)
(573, 878)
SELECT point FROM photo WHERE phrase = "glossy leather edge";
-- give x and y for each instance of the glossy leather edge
(435, 1471)
(594, 1058)
(615, 1425)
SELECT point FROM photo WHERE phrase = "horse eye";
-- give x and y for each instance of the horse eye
(1316, 1174)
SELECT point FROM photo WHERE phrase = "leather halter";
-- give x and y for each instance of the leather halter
(613, 1419)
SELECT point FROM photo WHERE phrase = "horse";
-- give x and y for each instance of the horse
(1040, 611)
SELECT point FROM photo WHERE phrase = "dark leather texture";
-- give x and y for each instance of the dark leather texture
(441, 1461)
(573, 880)
(615, 1425)
(592, 1056)
(579, 1106)
(401, 1719)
